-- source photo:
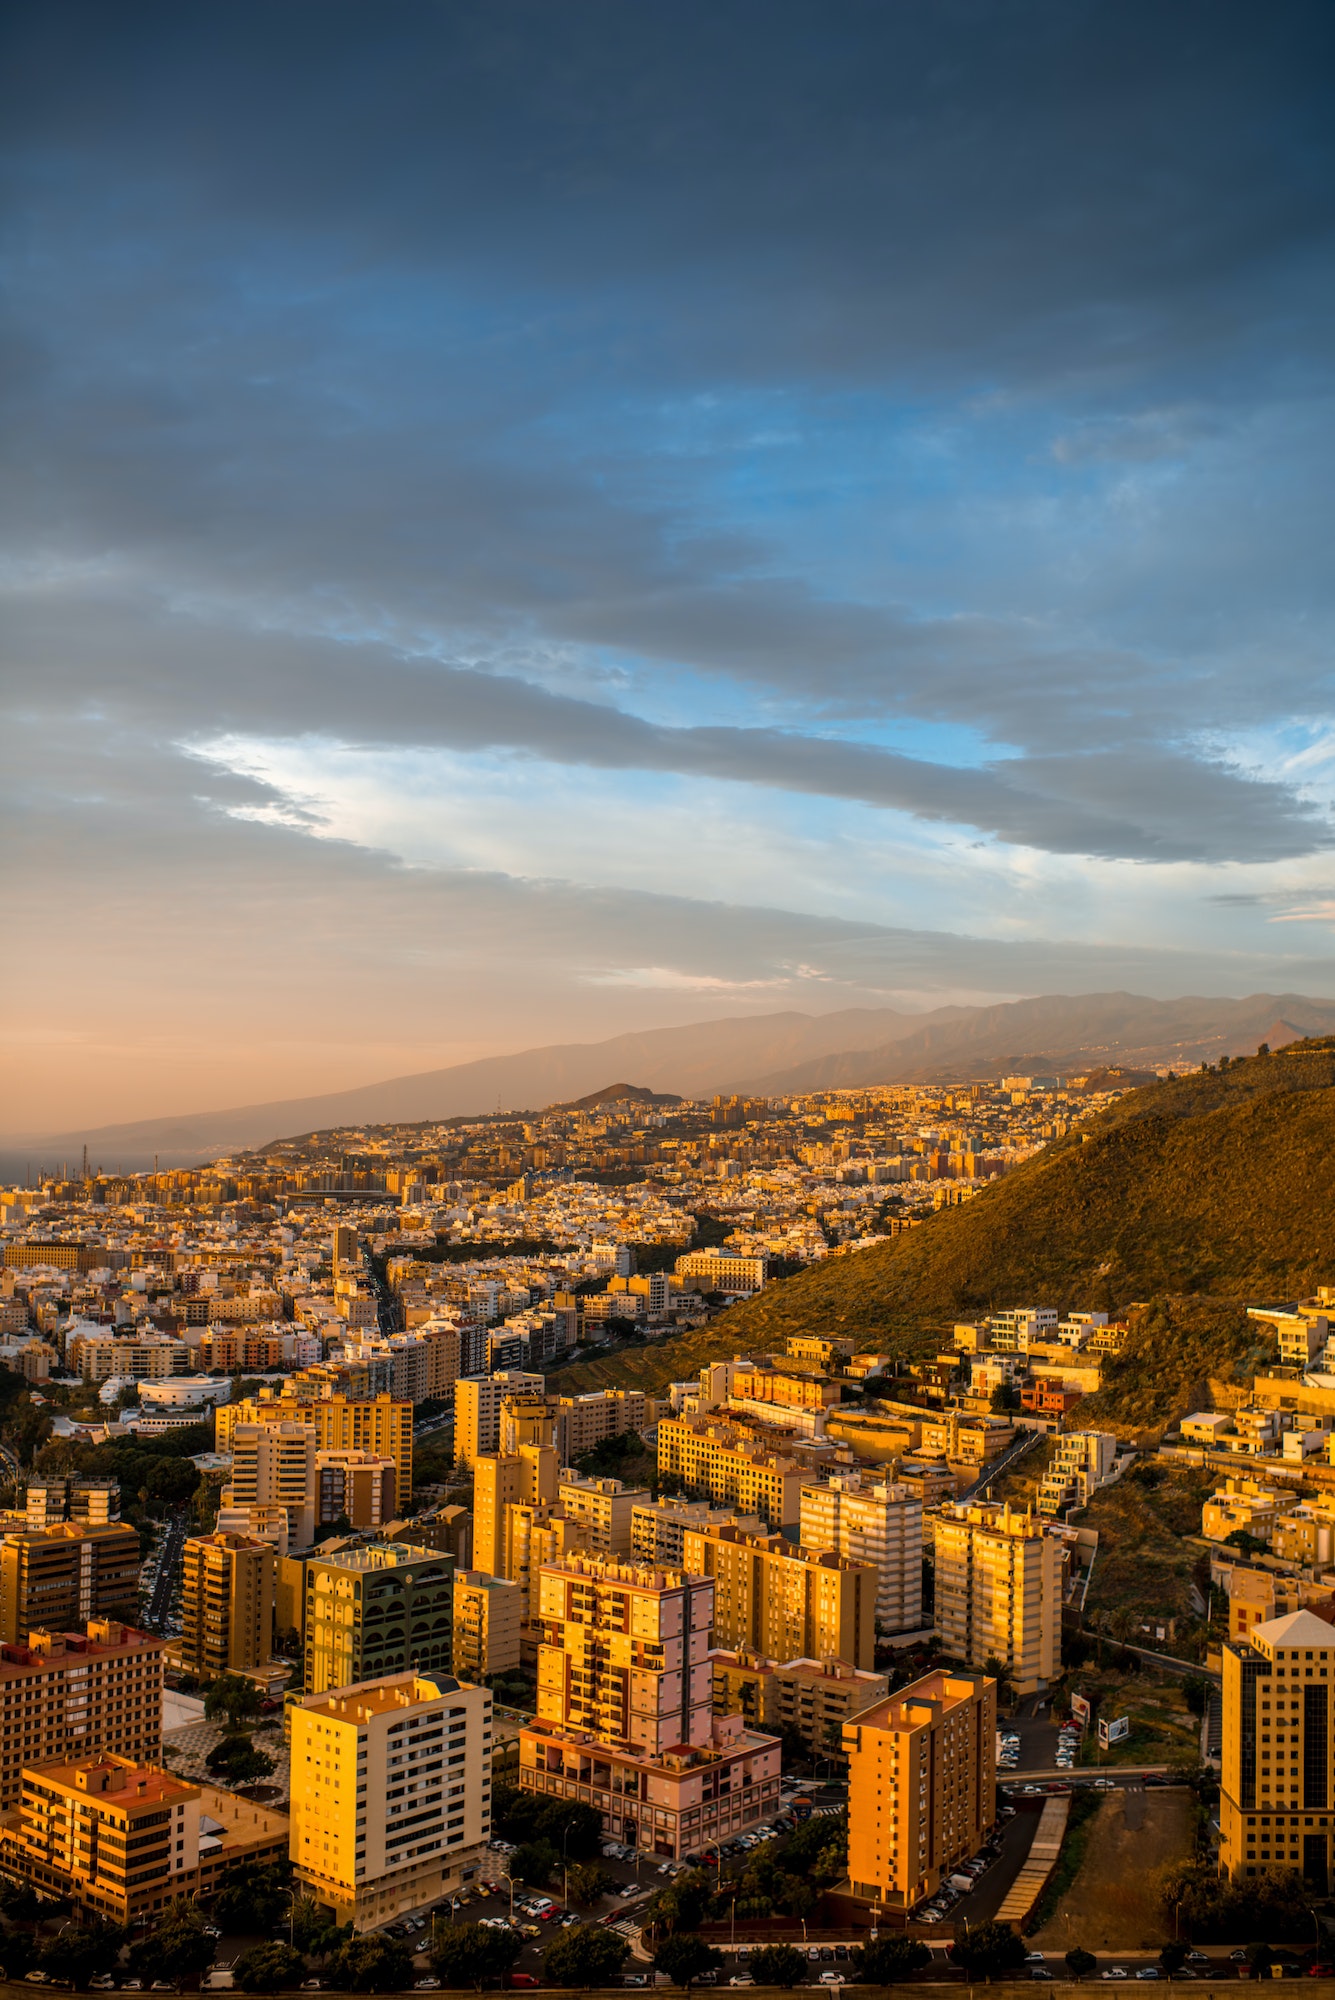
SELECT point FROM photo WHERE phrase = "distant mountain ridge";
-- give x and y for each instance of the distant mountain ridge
(760, 1055)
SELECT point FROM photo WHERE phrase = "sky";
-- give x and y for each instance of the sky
(523, 522)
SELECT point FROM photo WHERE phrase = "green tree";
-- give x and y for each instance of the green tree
(313, 1931)
(1260, 1958)
(575, 1831)
(77, 1955)
(777, 1965)
(586, 1956)
(268, 1968)
(372, 1963)
(237, 1759)
(684, 1957)
(180, 1949)
(471, 1954)
(253, 1898)
(1197, 1691)
(1173, 1956)
(587, 1882)
(1080, 1963)
(682, 1905)
(233, 1696)
(885, 1960)
(989, 1951)
(533, 1863)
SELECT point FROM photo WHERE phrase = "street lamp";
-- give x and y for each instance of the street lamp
(511, 1880)
(565, 1870)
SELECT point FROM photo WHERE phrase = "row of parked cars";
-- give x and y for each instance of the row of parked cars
(966, 1877)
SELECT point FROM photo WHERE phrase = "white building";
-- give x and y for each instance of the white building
(871, 1522)
(1084, 1460)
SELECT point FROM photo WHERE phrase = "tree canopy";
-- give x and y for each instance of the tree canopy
(778, 1965)
(472, 1954)
(268, 1968)
(684, 1957)
(586, 1956)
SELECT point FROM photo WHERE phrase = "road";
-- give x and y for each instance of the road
(158, 1608)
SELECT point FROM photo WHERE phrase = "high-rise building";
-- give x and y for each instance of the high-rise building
(63, 1694)
(526, 1418)
(395, 1800)
(921, 1786)
(57, 1578)
(487, 1613)
(529, 1476)
(68, 1496)
(381, 1423)
(477, 1410)
(873, 1522)
(346, 1249)
(624, 1720)
(227, 1605)
(375, 1611)
(719, 1461)
(273, 1464)
(354, 1486)
(1277, 1787)
(784, 1601)
(601, 1510)
(658, 1527)
(811, 1698)
(585, 1421)
(998, 1591)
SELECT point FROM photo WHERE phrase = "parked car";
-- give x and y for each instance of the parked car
(524, 1979)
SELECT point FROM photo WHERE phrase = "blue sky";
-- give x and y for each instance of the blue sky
(524, 522)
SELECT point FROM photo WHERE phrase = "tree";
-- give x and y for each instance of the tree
(313, 1931)
(77, 1955)
(684, 1958)
(1173, 1956)
(471, 1954)
(253, 1898)
(682, 1905)
(233, 1696)
(573, 1830)
(989, 1951)
(178, 1950)
(777, 1965)
(268, 1968)
(372, 1963)
(1080, 1963)
(885, 1960)
(237, 1758)
(586, 1956)
(587, 1882)
(533, 1863)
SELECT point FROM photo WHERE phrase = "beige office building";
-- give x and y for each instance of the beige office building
(273, 1464)
(658, 1527)
(477, 1411)
(63, 1694)
(1277, 1785)
(391, 1794)
(528, 1476)
(998, 1591)
(601, 1509)
(56, 1579)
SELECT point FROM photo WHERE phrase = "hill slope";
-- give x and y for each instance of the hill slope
(1216, 1185)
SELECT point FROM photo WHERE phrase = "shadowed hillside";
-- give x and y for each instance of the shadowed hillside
(1216, 1184)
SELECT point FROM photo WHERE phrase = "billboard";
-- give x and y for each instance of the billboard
(1080, 1710)
(1115, 1731)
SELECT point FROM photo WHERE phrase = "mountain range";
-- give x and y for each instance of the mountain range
(760, 1055)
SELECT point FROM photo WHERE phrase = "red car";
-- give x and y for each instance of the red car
(524, 1979)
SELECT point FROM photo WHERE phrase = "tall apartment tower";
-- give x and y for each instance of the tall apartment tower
(784, 1601)
(527, 1476)
(227, 1604)
(58, 1578)
(477, 1410)
(871, 1522)
(273, 1464)
(998, 1591)
(625, 1652)
(63, 1696)
(487, 1614)
(395, 1802)
(346, 1249)
(70, 1497)
(921, 1786)
(375, 1611)
(378, 1423)
(1277, 1789)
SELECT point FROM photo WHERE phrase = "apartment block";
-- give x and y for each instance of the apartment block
(381, 1423)
(1083, 1461)
(71, 1496)
(1277, 1788)
(374, 1611)
(811, 1698)
(354, 1486)
(601, 1510)
(584, 1421)
(477, 1410)
(757, 1382)
(784, 1601)
(394, 1798)
(723, 1271)
(501, 1481)
(998, 1591)
(1255, 1596)
(227, 1605)
(921, 1786)
(122, 1840)
(870, 1521)
(57, 1578)
(717, 1461)
(658, 1527)
(487, 1614)
(273, 1464)
(66, 1693)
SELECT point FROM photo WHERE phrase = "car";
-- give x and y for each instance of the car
(132, 1986)
(832, 1979)
(1320, 1970)
(38, 1978)
(628, 1889)
(524, 1979)
(312, 1985)
(627, 1978)
(427, 1985)
(1239, 1954)
(162, 1986)
(741, 1979)
(567, 1920)
(1149, 1972)
(813, 1951)
(1114, 1972)
(841, 1951)
(931, 1916)
(1034, 1958)
(1039, 1972)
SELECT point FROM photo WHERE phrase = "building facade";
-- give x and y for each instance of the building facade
(57, 1578)
(64, 1694)
(487, 1615)
(376, 1611)
(1277, 1783)
(227, 1605)
(787, 1602)
(870, 1521)
(718, 1462)
(998, 1591)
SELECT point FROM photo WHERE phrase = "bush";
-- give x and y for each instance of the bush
(683, 1958)
(989, 1951)
(372, 1963)
(1080, 1963)
(1214, 1910)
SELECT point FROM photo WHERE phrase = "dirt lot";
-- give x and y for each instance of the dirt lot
(1111, 1905)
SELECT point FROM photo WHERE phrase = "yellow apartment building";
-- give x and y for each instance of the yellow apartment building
(784, 1601)
(998, 1591)
(717, 1462)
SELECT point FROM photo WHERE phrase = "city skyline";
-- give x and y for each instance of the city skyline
(532, 527)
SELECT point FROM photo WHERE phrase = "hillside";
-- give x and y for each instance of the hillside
(1214, 1186)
